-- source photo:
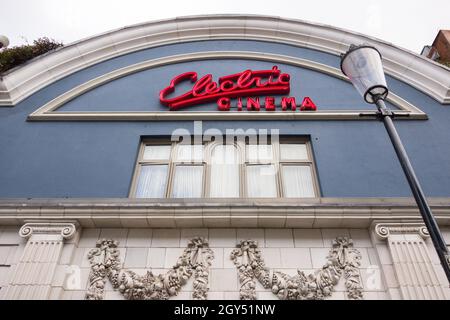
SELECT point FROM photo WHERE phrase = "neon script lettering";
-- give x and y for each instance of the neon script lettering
(246, 83)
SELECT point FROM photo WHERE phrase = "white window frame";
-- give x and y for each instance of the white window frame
(205, 162)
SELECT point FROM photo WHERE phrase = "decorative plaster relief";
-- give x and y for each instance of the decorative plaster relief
(105, 263)
(64, 229)
(343, 260)
(413, 266)
(35, 271)
(250, 265)
(384, 230)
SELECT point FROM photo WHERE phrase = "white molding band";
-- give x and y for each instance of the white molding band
(220, 213)
(18, 84)
(49, 110)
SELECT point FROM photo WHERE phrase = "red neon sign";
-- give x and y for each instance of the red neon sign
(246, 83)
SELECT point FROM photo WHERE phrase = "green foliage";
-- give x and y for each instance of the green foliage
(15, 56)
(445, 63)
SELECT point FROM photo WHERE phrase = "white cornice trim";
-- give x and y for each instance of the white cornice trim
(49, 110)
(190, 213)
(18, 84)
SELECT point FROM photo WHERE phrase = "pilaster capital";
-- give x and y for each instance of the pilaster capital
(65, 229)
(384, 230)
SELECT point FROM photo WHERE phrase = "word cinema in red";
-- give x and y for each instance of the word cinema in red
(246, 86)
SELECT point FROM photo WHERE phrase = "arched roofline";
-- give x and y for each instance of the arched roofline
(19, 83)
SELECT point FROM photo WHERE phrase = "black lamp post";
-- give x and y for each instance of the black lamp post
(362, 65)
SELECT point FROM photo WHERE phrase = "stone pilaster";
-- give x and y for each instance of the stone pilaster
(34, 273)
(413, 267)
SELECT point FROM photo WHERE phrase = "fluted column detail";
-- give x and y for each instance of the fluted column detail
(411, 259)
(34, 273)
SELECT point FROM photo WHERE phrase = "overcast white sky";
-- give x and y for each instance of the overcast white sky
(409, 24)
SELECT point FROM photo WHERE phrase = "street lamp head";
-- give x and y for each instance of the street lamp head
(362, 65)
(4, 41)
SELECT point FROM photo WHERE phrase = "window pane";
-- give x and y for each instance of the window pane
(152, 182)
(224, 172)
(261, 181)
(156, 152)
(297, 182)
(259, 153)
(187, 182)
(189, 153)
(293, 151)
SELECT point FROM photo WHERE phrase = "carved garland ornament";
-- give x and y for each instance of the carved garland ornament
(343, 260)
(105, 263)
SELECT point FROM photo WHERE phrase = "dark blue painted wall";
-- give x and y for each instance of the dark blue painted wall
(139, 91)
(97, 159)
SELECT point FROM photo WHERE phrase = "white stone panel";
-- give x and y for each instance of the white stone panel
(383, 254)
(319, 257)
(217, 262)
(136, 257)
(172, 255)
(295, 258)
(231, 295)
(308, 238)
(330, 234)
(188, 233)
(373, 256)
(166, 238)
(361, 238)
(88, 238)
(67, 252)
(389, 275)
(182, 296)
(395, 294)
(113, 295)
(59, 277)
(10, 235)
(223, 280)
(139, 238)
(365, 261)
(4, 275)
(116, 234)
(225, 238)
(446, 234)
(156, 257)
(279, 238)
(337, 295)
(266, 296)
(272, 257)
(372, 279)
(14, 254)
(78, 295)
(253, 234)
(56, 293)
(214, 295)
(227, 262)
(4, 253)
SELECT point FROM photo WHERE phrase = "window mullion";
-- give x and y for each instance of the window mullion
(276, 160)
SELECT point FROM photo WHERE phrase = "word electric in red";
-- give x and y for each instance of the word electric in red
(246, 83)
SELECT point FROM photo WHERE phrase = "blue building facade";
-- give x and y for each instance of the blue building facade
(74, 125)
